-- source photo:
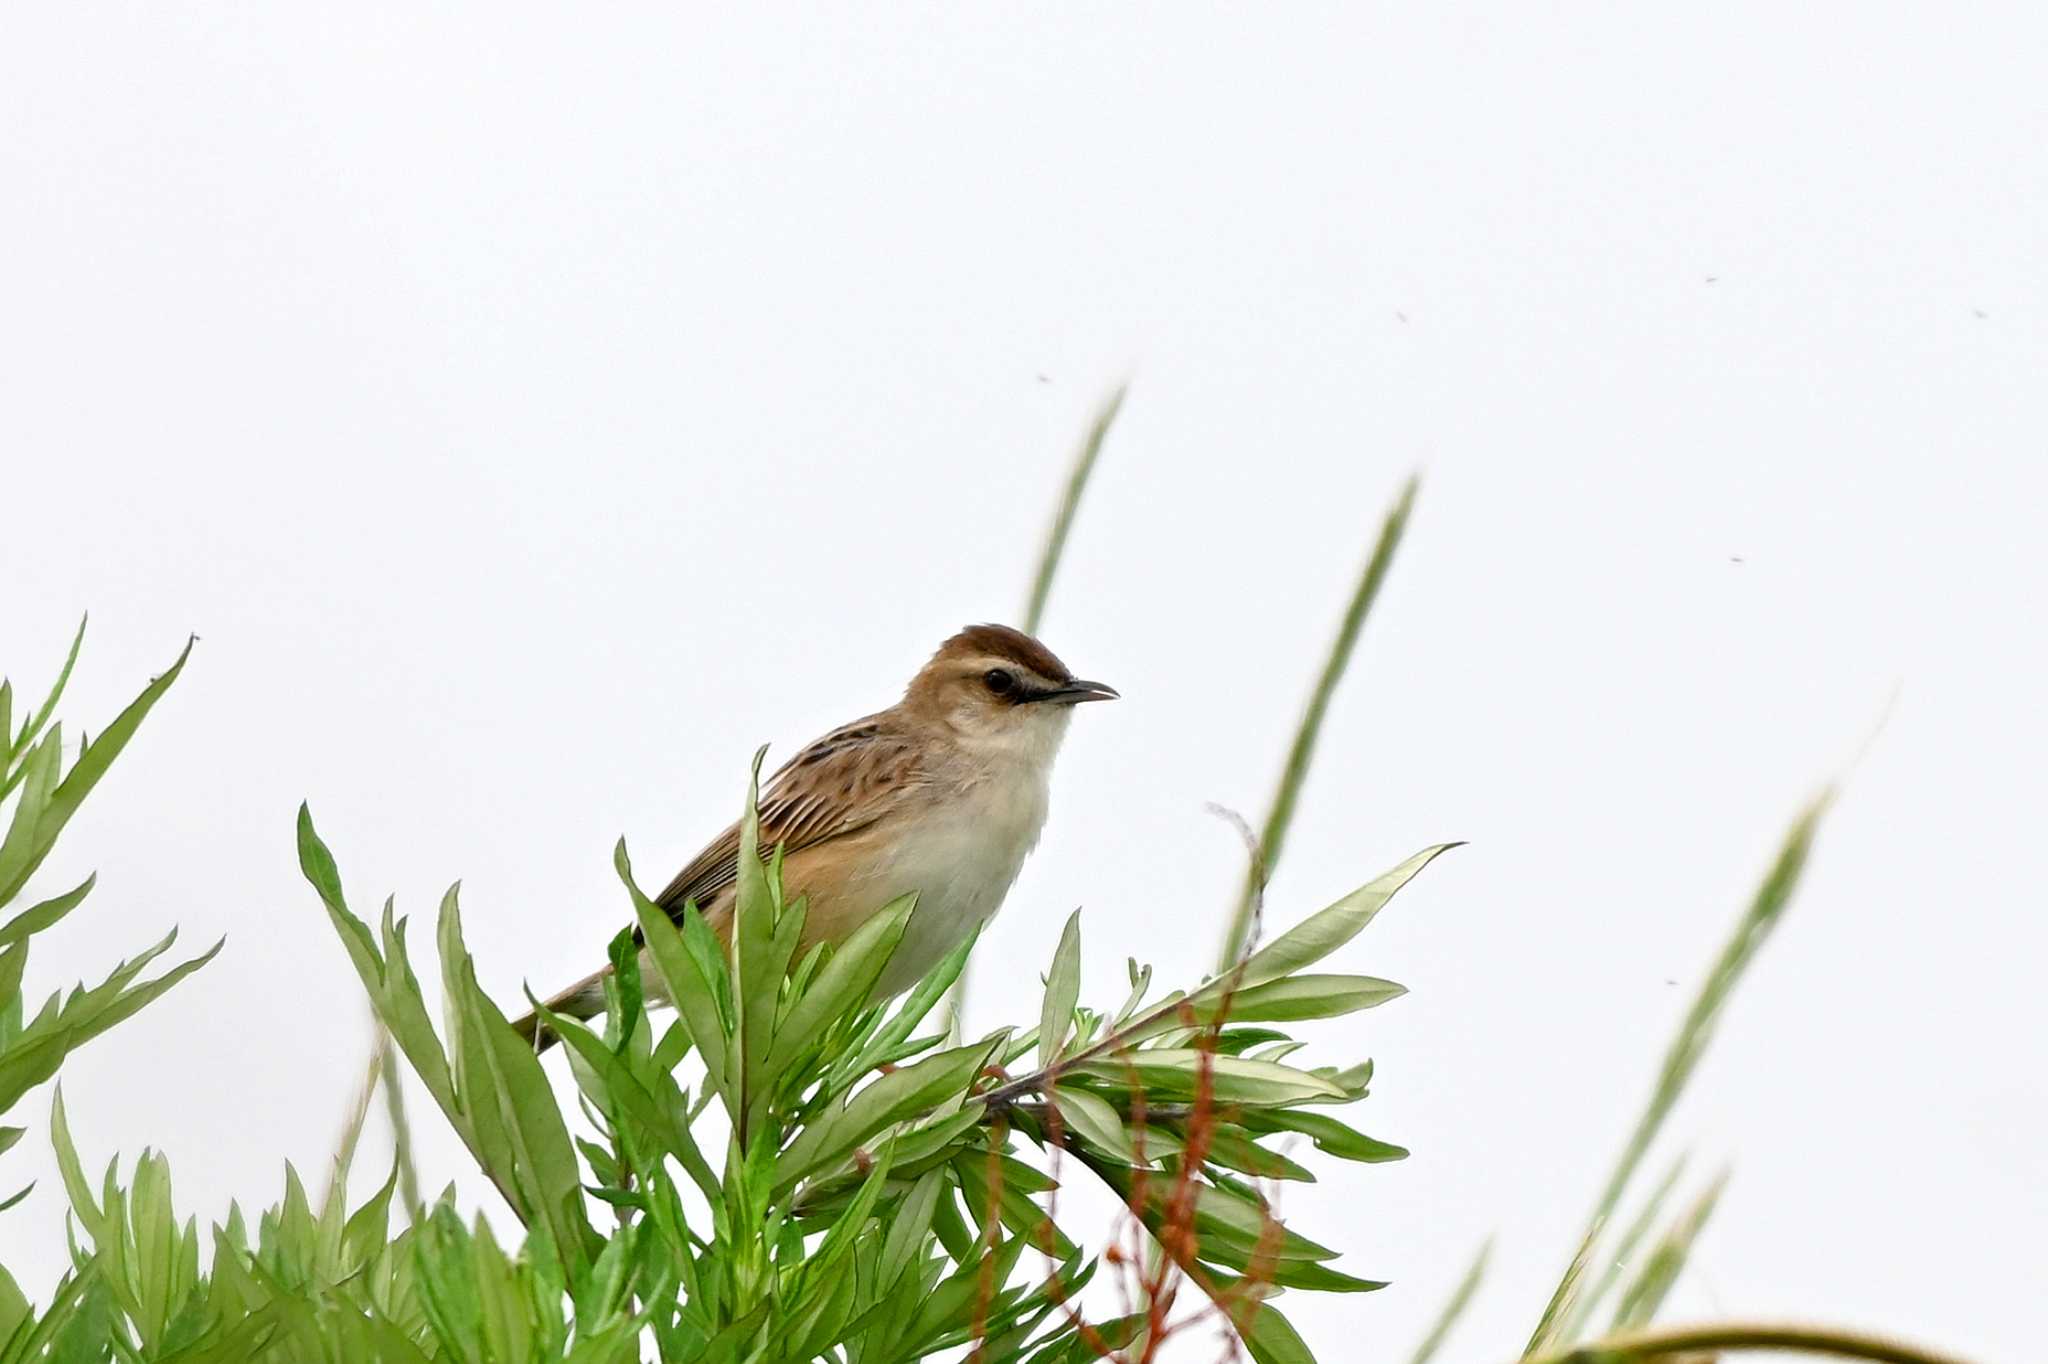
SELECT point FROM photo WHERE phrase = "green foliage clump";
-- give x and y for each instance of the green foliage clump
(874, 1197)
(834, 1180)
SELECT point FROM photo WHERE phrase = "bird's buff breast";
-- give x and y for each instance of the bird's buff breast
(961, 857)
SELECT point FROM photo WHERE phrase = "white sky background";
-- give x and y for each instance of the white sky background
(534, 410)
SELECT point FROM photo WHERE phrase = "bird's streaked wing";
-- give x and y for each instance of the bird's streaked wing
(842, 783)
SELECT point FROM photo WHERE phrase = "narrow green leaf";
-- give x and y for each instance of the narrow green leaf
(667, 1124)
(1092, 1119)
(13, 962)
(33, 725)
(757, 976)
(905, 1240)
(36, 918)
(1175, 1073)
(1233, 1148)
(83, 1206)
(1062, 990)
(15, 1313)
(684, 979)
(1766, 907)
(38, 777)
(1330, 1136)
(387, 976)
(1454, 1308)
(846, 981)
(910, 1013)
(1272, 1339)
(368, 1228)
(914, 1090)
(1070, 502)
(1645, 1295)
(1288, 999)
(532, 1122)
(1231, 1230)
(92, 764)
(1573, 1326)
(1324, 931)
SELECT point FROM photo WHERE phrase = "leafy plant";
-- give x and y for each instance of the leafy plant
(43, 795)
(872, 1198)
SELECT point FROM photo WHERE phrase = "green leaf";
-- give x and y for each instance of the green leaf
(13, 962)
(667, 1123)
(1765, 908)
(1092, 1119)
(38, 780)
(846, 981)
(947, 1315)
(83, 1207)
(914, 1090)
(1324, 931)
(689, 983)
(1231, 1230)
(905, 1240)
(1006, 1202)
(1330, 1136)
(1572, 1325)
(387, 977)
(1454, 1308)
(1062, 990)
(1177, 1073)
(36, 918)
(910, 1013)
(500, 1070)
(15, 1312)
(1641, 1299)
(34, 1055)
(1311, 996)
(1289, 999)
(1233, 1148)
(368, 1228)
(33, 726)
(757, 973)
(92, 764)
(1272, 1339)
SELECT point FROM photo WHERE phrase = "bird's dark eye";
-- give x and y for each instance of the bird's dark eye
(1001, 681)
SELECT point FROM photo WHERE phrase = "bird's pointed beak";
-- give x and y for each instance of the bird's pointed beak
(1077, 691)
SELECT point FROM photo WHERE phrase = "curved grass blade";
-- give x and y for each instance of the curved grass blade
(1766, 907)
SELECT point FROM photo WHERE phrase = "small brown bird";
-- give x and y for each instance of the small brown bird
(944, 794)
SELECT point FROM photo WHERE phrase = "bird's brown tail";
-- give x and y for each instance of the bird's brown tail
(584, 999)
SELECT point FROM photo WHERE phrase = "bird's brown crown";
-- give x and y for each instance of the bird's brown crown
(1012, 646)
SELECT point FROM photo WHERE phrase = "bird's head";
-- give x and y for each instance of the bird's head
(1000, 690)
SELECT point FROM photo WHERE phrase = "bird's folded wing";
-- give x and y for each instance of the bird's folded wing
(843, 783)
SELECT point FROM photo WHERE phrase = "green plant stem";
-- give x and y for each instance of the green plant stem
(401, 1127)
(1573, 1322)
(1461, 1298)
(1070, 502)
(1686, 1048)
(1665, 1342)
(1281, 814)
